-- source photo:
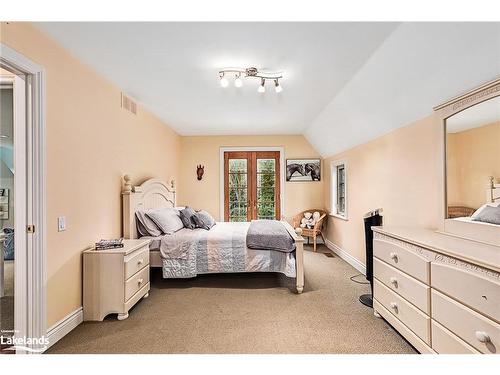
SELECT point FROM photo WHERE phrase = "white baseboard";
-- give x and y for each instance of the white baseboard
(64, 326)
(346, 256)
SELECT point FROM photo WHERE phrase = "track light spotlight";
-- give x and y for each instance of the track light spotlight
(223, 81)
(262, 88)
(238, 82)
(277, 86)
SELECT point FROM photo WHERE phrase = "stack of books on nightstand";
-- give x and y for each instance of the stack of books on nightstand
(109, 244)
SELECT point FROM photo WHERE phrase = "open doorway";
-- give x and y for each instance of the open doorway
(7, 253)
(22, 205)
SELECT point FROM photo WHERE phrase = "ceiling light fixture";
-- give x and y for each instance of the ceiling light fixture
(240, 73)
(277, 86)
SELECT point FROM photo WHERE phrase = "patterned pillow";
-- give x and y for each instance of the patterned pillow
(489, 215)
(186, 217)
(203, 220)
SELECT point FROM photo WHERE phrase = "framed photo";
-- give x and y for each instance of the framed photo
(303, 170)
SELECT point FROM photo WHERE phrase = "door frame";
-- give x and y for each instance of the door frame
(222, 150)
(32, 312)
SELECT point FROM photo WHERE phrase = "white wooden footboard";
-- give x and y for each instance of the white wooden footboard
(299, 254)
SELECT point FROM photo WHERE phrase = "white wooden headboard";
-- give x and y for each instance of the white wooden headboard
(152, 193)
(493, 193)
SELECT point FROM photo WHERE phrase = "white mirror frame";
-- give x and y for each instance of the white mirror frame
(443, 112)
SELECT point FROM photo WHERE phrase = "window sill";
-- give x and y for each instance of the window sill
(339, 217)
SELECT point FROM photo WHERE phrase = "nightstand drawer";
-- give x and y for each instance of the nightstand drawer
(136, 261)
(136, 282)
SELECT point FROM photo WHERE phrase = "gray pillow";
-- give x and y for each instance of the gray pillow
(167, 219)
(146, 226)
(203, 220)
(186, 215)
(489, 214)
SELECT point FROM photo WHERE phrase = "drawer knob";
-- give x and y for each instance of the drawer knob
(394, 257)
(394, 281)
(394, 306)
(140, 261)
(140, 281)
(483, 337)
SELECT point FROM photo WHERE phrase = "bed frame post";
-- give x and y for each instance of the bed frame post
(299, 254)
(129, 203)
(299, 258)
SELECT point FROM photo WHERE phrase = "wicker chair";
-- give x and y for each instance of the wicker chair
(313, 232)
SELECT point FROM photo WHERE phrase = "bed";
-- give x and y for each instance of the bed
(222, 249)
(465, 225)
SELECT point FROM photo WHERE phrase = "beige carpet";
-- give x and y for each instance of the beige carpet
(246, 313)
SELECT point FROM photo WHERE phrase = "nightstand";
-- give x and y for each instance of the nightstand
(115, 280)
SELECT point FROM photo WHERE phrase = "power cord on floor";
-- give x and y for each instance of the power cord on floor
(356, 281)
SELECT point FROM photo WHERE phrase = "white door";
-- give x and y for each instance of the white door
(13, 250)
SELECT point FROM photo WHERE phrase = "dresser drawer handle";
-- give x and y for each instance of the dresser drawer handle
(483, 337)
(140, 281)
(140, 261)
(394, 306)
(394, 257)
(394, 281)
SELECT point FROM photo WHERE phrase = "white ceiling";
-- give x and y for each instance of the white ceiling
(485, 113)
(344, 83)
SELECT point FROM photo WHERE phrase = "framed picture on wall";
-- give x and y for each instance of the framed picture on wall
(303, 170)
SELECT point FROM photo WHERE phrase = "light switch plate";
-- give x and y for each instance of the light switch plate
(61, 223)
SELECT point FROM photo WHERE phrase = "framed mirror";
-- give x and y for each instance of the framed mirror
(471, 125)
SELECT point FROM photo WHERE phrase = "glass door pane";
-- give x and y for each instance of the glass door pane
(266, 189)
(237, 189)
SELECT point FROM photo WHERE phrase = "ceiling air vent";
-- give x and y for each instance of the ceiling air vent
(128, 104)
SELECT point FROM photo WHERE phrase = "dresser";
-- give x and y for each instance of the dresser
(115, 280)
(441, 292)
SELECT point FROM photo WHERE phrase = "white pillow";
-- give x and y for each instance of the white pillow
(146, 226)
(167, 219)
(480, 209)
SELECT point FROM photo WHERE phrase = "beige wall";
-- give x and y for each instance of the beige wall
(91, 143)
(399, 172)
(472, 156)
(206, 151)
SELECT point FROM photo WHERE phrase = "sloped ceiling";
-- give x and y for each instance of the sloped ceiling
(419, 66)
(344, 83)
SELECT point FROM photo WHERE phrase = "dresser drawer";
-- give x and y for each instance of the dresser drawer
(478, 292)
(411, 289)
(445, 342)
(136, 261)
(405, 260)
(475, 329)
(408, 314)
(136, 282)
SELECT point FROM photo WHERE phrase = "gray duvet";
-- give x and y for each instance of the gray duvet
(221, 249)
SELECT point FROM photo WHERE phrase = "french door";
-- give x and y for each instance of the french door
(251, 185)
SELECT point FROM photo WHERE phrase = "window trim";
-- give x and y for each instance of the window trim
(334, 189)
